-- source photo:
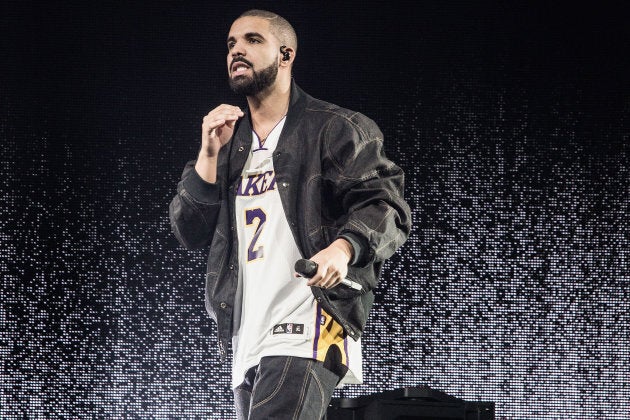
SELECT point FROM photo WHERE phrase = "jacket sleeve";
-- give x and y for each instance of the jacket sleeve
(194, 210)
(368, 186)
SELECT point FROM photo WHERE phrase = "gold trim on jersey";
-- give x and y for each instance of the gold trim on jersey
(328, 332)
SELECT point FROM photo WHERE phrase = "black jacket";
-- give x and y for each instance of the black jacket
(333, 178)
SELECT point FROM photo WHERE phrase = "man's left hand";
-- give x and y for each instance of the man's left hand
(332, 264)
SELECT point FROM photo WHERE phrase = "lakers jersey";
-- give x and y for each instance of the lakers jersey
(275, 313)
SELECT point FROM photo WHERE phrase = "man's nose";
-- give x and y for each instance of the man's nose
(238, 49)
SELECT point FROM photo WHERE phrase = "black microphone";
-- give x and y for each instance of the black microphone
(308, 268)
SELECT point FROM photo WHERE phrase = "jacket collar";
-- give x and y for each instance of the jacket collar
(297, 105)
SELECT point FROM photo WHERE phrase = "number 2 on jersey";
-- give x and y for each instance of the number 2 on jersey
(252, 216)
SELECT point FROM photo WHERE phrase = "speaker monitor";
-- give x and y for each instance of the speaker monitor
(413, 403)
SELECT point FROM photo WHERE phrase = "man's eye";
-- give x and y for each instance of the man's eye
(254, 41)
(230, 45)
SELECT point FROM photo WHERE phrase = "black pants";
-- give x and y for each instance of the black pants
(285, 387)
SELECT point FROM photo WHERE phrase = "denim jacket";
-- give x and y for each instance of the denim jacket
(334, 180)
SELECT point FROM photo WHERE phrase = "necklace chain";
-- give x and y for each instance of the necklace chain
(262, 141)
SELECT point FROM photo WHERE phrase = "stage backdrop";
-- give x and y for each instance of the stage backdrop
(511, 123)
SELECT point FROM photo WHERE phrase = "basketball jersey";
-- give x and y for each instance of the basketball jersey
(275, 313)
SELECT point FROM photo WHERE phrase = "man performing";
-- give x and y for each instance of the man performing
(288, 178)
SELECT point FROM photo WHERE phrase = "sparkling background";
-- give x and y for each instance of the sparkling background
(512, 125)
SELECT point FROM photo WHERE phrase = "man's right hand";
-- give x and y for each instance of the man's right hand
(217, 128)
(216, 132)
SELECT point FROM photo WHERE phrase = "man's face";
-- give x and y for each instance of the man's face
(252, 56)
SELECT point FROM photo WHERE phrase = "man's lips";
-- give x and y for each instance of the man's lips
(239, 69)
(239, 66)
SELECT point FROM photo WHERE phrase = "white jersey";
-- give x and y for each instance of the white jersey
(275, 313)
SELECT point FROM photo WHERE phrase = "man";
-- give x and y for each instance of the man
(290, 177)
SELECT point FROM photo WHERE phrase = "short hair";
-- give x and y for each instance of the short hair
(278, 25)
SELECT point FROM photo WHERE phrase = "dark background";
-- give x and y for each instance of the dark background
(511, 120)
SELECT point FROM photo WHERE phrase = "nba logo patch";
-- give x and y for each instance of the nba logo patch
(288, 328)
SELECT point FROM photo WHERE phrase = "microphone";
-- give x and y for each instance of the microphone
(308, 268)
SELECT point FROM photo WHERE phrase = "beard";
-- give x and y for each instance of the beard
(259, 82)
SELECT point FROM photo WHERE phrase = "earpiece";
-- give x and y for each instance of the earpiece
(286, 56)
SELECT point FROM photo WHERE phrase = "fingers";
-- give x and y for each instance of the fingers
(217, 129)
(326, 277)
(227, 109)
(220, 116)
(227, 112)
(332, 264)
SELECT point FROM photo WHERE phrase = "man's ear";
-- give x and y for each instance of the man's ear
(287, 55)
